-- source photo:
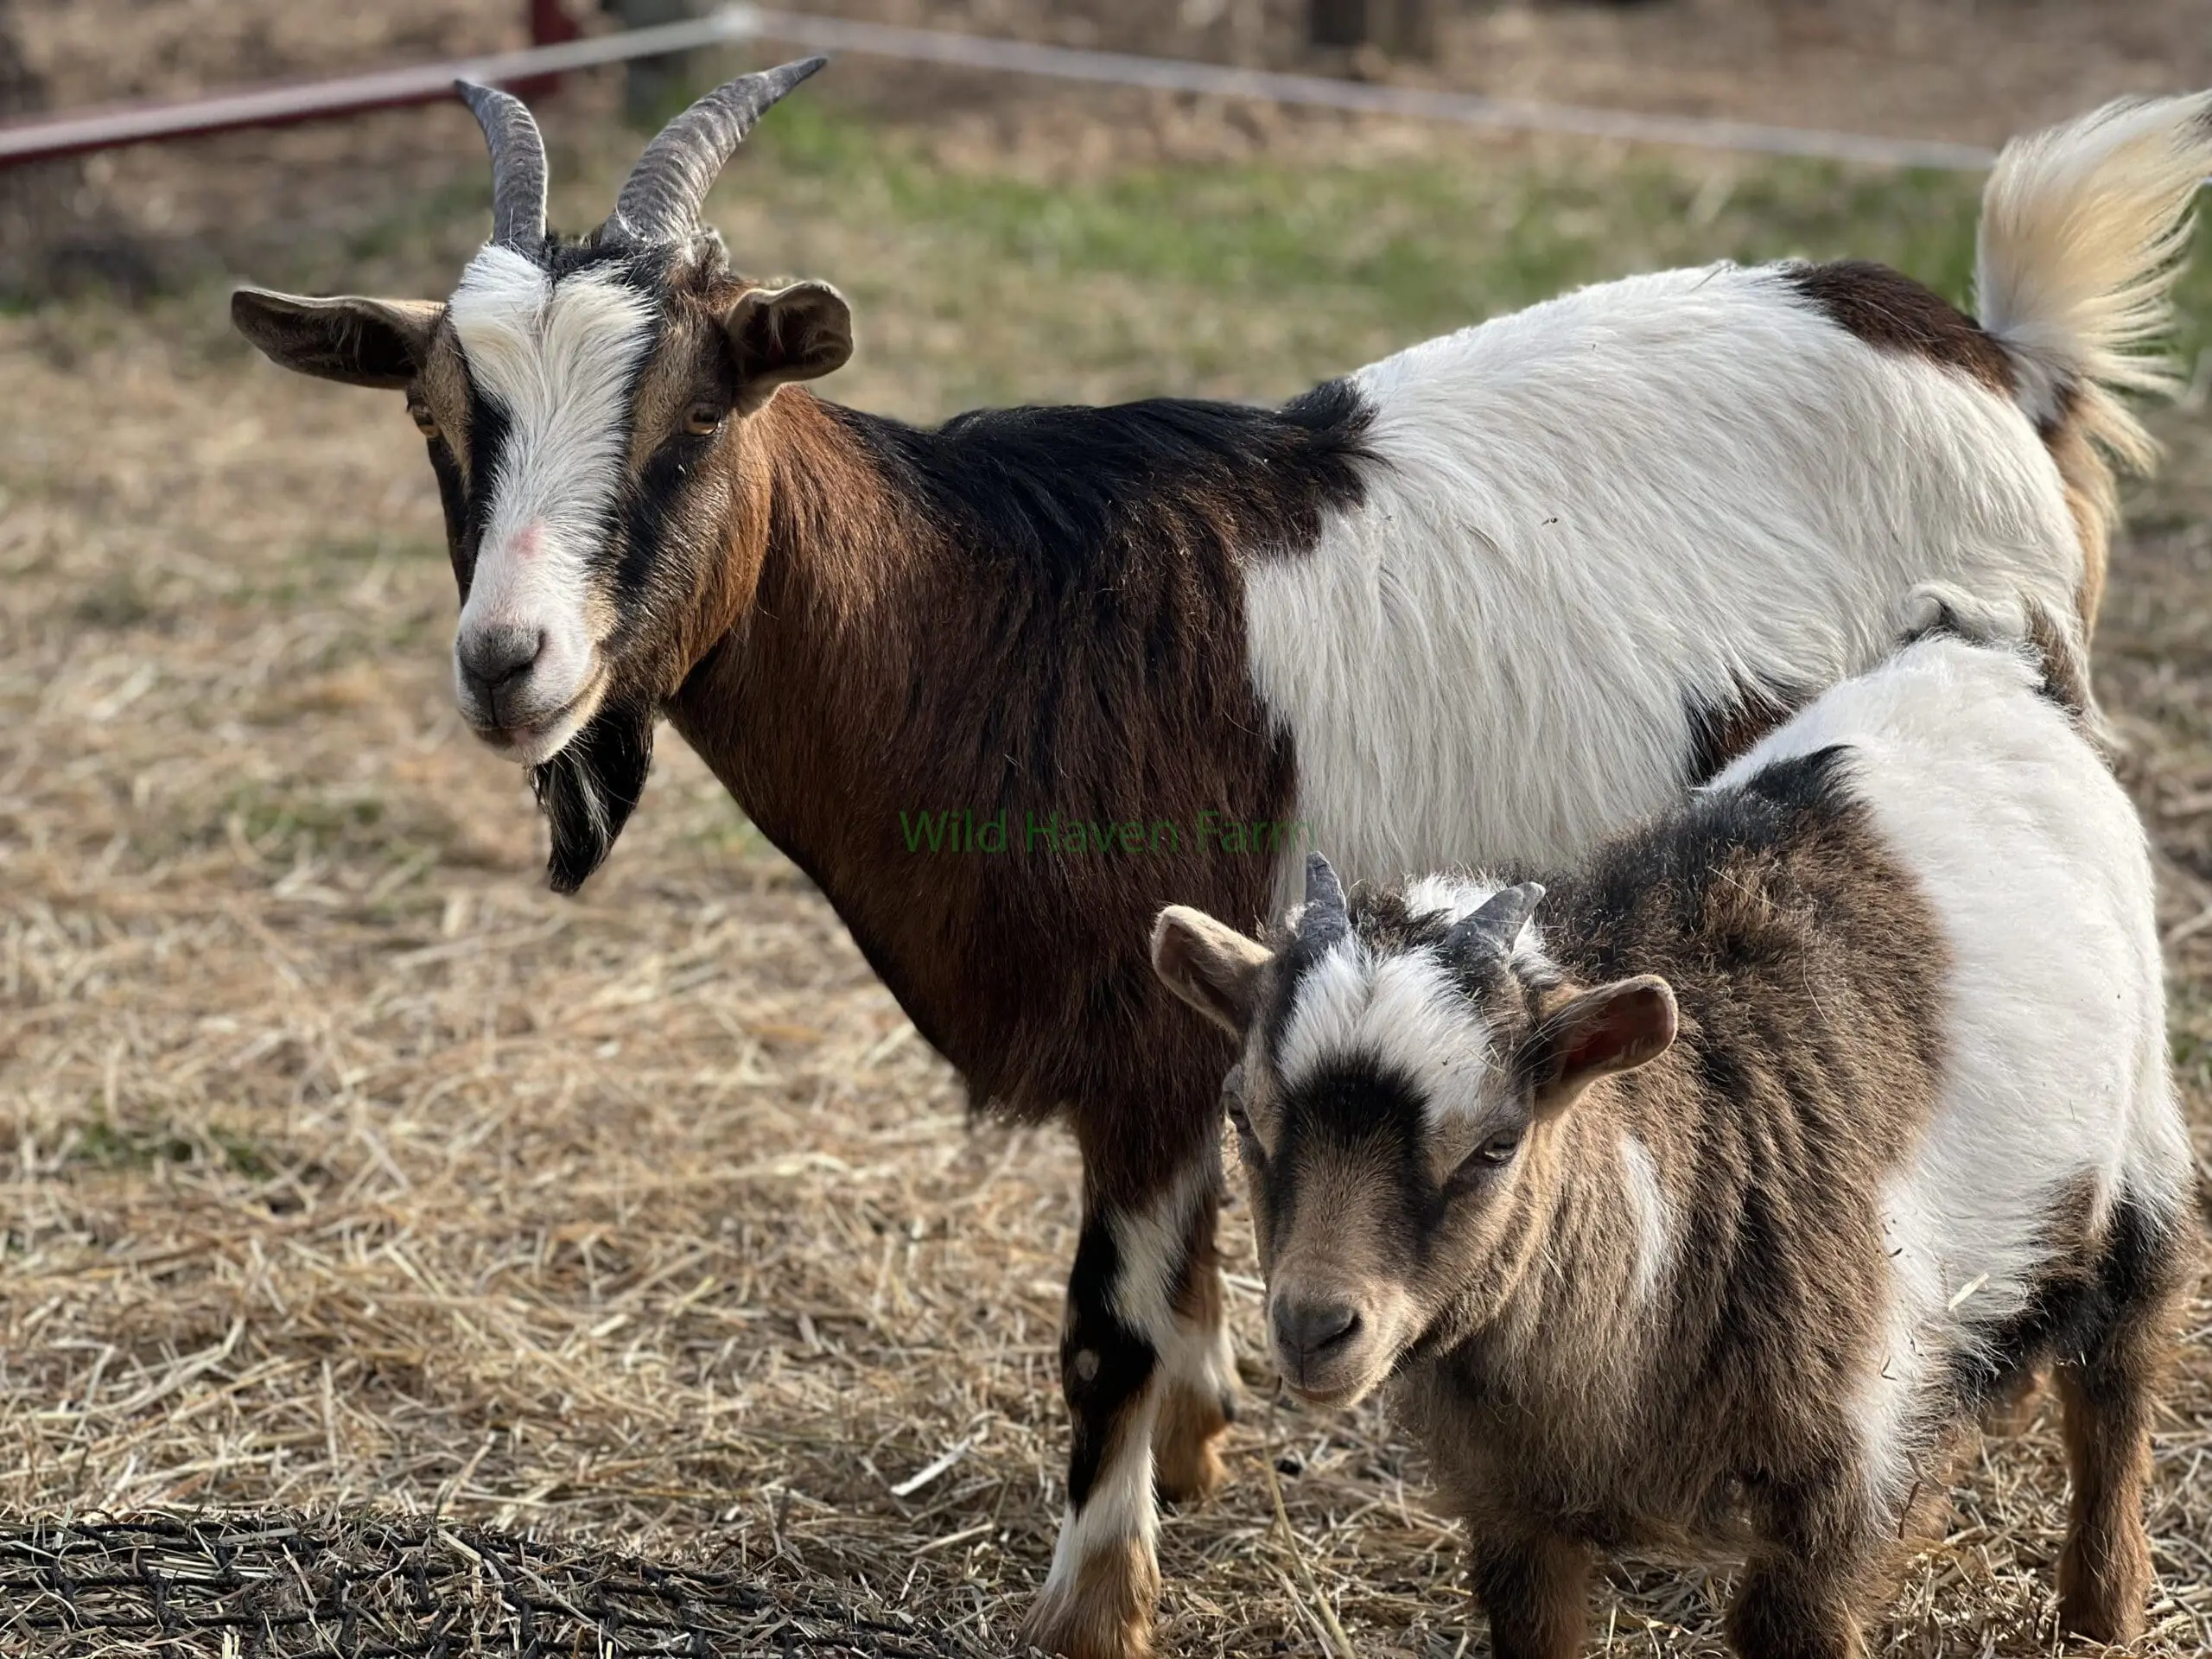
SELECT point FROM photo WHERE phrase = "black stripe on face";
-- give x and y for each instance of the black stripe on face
(489, 433)
(649, 550)
(1358, 1115)
(452, 498)
(651, 517)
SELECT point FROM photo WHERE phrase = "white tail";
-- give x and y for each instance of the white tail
(2083, 230)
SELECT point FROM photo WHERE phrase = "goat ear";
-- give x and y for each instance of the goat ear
(588, 790)
(776, 335)
(379, 343)
(1592, 1034)
(1209, 964)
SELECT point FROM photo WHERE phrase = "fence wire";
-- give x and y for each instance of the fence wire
(278, 1587)
(85, 130)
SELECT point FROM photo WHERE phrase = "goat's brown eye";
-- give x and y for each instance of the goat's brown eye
(704, 419)
(425, 422)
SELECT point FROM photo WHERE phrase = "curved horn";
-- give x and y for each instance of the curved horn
(661, 198)
(1486, 937)
(1325, 920)
(518, 165)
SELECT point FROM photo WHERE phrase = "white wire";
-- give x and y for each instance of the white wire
(101, 128)
(1225, 80)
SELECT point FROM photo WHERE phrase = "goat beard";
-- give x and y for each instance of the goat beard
(589, 789)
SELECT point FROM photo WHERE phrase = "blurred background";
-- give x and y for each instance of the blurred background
(347, 1165)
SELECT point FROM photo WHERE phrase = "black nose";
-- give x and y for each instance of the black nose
(1308, 1330)
(492, 657)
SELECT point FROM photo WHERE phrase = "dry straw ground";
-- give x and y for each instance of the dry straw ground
(348, 1166)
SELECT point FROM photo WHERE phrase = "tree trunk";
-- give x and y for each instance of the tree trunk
(1339, 22)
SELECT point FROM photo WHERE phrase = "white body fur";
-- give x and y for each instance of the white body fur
(2035, 865)
(1649, 495)
(1601, 511)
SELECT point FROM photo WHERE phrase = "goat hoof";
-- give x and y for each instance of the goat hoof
(2094, 1619)
(1101, 1610)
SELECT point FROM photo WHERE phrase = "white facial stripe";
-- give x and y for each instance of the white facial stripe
(1405, 1011)
(1325, 1017)
(558, 360)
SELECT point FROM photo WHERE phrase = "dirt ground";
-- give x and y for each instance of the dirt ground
(350, 1166)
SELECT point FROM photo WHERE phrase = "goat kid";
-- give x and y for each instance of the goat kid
(1560, 565)
(1707, 1203)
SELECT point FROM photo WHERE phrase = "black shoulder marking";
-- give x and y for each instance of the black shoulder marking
(1648, 887)
(1079, 495)
(1337, 418)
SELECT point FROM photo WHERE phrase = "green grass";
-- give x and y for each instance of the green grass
(105, 1144)
(1428, 244)
(1412, 247)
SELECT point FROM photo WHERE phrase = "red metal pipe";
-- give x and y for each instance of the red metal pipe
(549, 25)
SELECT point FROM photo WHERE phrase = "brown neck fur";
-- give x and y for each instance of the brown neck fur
(884, 665)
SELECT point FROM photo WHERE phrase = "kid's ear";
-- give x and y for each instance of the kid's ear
(1592, 1034)
(776, 335)
(1209, 964)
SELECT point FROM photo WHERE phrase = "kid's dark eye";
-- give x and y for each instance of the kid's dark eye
(425, 422)
(703, 419)
(1498, 1150)
(1484, 1161)
(1232, 1101)
(1232, 1098)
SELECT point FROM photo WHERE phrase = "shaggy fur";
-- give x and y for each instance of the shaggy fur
(1903, 1134)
